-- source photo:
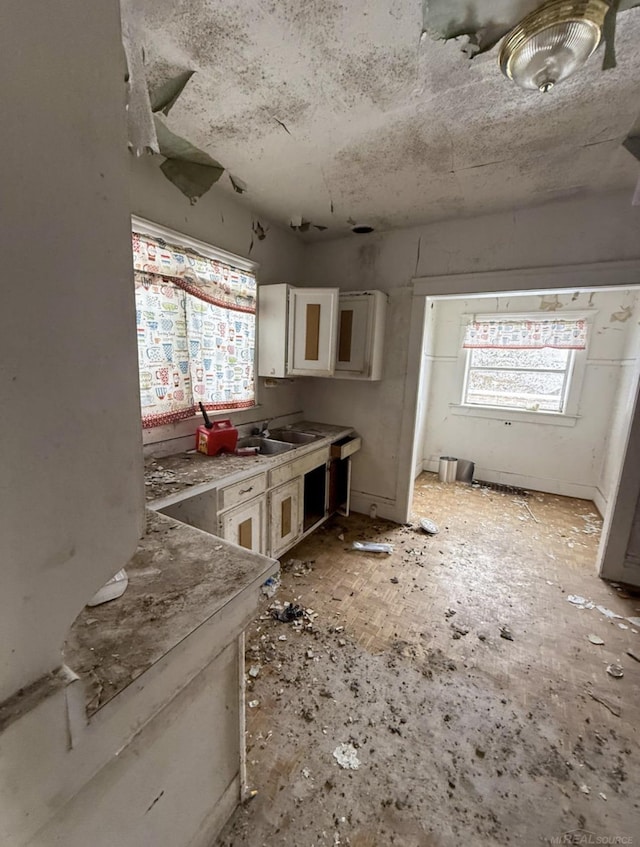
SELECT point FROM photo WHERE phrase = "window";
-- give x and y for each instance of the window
(195, 318)
(523, 362)
(533, 380)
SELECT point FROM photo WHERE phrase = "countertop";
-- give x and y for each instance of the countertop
(178, 578)
(173, 474)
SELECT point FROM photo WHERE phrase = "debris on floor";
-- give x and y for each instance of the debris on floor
(458, 740)
(287, 613)
(429, 526)
(595, 639)
(506, 633)
(459, 631)
(579, 601)
(270, 587)
(607, 612)
(615, 670)
(372, 547)
(346, 756)
(615, 710)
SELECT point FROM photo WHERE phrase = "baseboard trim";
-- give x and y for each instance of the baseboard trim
(548, 486)
(361, 502)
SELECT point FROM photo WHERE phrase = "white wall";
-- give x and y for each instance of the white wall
(528, 451)
(69, 410)
(621, 410)
(576, 231)
(226, 223)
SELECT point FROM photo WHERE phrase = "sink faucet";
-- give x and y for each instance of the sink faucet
(263, 430)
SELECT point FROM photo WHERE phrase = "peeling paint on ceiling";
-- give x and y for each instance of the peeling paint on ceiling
(485, 22)
(339, 110)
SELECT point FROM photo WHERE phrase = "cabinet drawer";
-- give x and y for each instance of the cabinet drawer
(298, 467)
(239, 492)
(346, 447)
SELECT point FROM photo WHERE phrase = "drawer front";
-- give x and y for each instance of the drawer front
(298, 467)
(239, 492)
(346, 447)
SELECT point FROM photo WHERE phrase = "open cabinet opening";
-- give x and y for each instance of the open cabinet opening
(315, 493)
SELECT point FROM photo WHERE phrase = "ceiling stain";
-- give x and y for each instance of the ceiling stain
(384, 126)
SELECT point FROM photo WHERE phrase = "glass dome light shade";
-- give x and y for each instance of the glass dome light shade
(552, 43)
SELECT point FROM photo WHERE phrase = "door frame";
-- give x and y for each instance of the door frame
(621, 507)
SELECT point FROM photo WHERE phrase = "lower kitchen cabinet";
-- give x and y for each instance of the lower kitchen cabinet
(269, 511)
(245, 525)
(285, 515)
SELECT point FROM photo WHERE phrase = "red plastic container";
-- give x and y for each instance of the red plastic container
(220, 436)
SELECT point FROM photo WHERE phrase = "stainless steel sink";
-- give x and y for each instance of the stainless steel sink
(291, 436)
(266, 446)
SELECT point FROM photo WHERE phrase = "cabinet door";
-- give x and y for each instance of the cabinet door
(245, 525)
(285, 515)
(313, 319)
(273, 306)
(360, 335)
(353, 335)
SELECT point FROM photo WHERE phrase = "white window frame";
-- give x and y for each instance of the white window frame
(570, 414)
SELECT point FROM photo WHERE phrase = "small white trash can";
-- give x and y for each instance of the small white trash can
(448, 469)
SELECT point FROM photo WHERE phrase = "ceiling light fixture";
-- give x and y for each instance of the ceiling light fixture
(552, 42)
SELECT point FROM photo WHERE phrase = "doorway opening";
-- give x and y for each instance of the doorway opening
(545, 422)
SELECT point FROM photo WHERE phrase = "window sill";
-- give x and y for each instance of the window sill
(545, 418)
(187, 426)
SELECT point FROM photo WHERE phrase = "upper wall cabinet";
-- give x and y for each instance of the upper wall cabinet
(361, 319)
(320, 332)
(297, 330)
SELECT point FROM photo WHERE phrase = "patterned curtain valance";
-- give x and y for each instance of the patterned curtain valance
(523, 334)
(208, 279)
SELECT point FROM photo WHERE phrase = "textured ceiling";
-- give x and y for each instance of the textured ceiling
(341, 112)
